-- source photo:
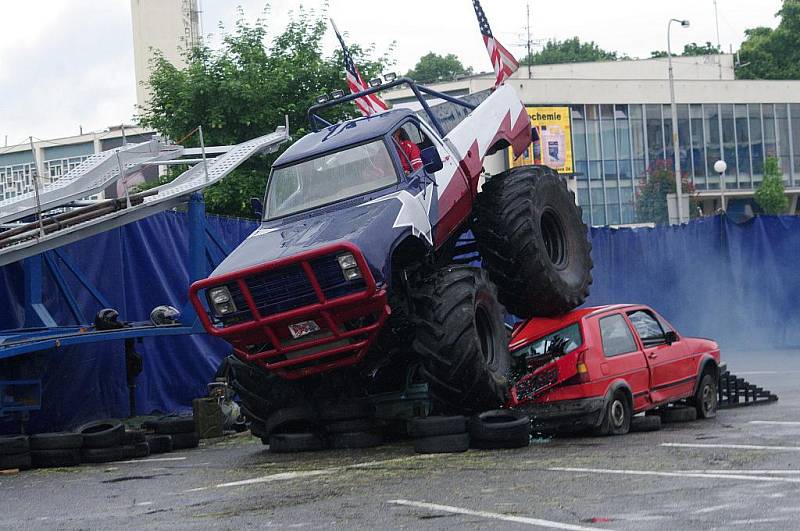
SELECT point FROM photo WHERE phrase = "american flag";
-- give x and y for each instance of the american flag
(368, 105)
(503, 62)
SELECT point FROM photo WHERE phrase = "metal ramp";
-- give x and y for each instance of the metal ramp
(88, 178)
(30, 239)
(737, 392)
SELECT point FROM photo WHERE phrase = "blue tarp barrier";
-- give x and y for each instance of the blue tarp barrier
(739, 284)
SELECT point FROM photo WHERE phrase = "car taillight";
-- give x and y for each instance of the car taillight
(583, 370)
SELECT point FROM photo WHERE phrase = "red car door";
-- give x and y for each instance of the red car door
(671, 373)
(623, 358)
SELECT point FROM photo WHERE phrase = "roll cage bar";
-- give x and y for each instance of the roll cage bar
(315, 120)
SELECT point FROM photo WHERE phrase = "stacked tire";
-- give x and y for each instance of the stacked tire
(171, 433)
(15, 453)
(103, 441)
(500, 429)
(55, 450)
(351, 425)
(439, 434)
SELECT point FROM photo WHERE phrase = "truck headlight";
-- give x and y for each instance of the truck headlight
(349, 266)
(221, 301)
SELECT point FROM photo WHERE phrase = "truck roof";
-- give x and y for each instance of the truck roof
(343, 134)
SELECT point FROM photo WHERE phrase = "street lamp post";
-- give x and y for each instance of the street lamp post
(675, 146)
(720, 167)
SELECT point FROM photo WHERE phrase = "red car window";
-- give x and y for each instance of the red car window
(616, 336)
(647, 327)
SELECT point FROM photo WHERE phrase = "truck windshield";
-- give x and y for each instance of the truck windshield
(559, 343)
(329, 178)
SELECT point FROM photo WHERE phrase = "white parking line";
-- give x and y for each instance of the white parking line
(757, 472)
(678, 474)
(279, 477)
(493, 516)
(734, 446)
(153, 460)
(775, 422)
(713, 508)
(284, 476)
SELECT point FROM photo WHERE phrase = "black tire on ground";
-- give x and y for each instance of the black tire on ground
(172, 424)
(533, 241)
(332, 412)
(159, 444)
(261, 392)
(55, 458)
(436, 425)
(280, 443)
(678, 414)
(442, 444)
(519, 441)
(102, 455)
(461, 340)
(56, 441)
(20, 461)
(182, 441)
(504, 426)
(300, 419)
(617, 415)
(102, 433)
(135, 436)
(705, 399)
(645, 423)
(347, 426)
(356, 439)
(14, 444)
(136, 450)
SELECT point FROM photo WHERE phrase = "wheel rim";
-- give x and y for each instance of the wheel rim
(709, 398)
(617, 413)
(483, 326)
(555, 242)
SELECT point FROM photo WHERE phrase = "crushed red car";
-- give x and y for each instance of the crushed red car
(597, 367)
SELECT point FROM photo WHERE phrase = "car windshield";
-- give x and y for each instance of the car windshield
(329, 178)
(560, 342)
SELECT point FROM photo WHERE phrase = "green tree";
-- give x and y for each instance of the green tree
(690, 49)
(773, 53)
(433, 67)
(651, 197)
(244, 90)
(569, 51)
(770, 195)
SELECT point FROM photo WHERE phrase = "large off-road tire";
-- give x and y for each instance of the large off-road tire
(461, 340)
(261, 392)
(533, 242)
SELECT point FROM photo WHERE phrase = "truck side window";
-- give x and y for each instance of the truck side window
(650, 332)
(617, 337)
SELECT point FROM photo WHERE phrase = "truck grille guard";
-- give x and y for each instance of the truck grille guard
(349, 323)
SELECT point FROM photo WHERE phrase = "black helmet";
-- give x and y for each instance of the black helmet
(164, 315)
(106, 319)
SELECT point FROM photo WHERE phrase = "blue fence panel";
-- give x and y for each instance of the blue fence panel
(738, 284)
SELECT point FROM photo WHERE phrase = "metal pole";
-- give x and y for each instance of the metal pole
(529, 41)
(675, 146)
(124, 180)
(719, 45)
(124, 139)
(35, 179)
(203, 150)
(722, 183)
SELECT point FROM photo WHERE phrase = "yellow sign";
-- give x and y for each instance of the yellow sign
(554, 145)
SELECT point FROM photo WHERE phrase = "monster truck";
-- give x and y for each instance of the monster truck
(352, 276)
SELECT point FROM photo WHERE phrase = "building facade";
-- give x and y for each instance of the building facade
(621, 128)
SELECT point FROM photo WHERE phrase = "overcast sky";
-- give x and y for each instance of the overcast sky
(65, 63)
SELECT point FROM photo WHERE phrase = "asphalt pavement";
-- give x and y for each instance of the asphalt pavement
(740, 470)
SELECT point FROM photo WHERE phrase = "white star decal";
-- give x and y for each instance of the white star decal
(414, 211)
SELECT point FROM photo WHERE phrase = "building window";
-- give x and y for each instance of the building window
(729, 145)
(698, 147)
(711, 133)
(794, 114)
(743, 146)
(756, 142)
(784, 146)
(655, 134)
